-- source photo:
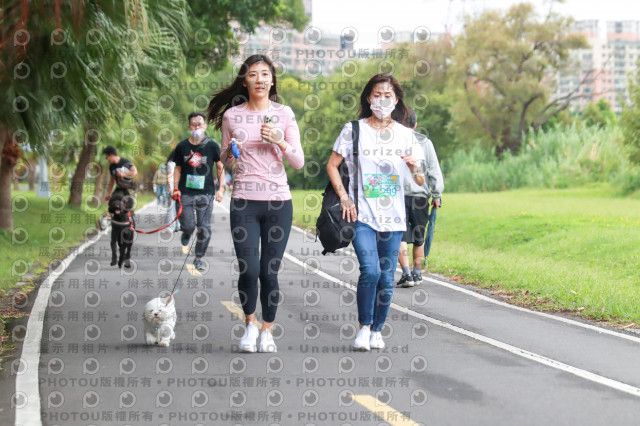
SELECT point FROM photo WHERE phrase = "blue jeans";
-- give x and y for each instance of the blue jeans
(196, 212)
(172, 211)
(162, 192)
(377, 254)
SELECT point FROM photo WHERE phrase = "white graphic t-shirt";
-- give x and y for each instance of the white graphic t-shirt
(381, 172)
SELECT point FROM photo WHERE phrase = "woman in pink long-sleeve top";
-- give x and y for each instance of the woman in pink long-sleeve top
(265, 133)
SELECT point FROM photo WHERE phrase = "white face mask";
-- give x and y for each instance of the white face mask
(382, 108)
(197, 134)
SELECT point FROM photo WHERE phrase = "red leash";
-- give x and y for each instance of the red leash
(159, 229)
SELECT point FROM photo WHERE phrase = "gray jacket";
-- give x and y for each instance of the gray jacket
(434, 184)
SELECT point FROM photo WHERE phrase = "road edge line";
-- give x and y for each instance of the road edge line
(587, 326)
(614, 384)
(27, 383)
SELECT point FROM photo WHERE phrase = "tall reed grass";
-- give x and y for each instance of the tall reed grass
(555, 158)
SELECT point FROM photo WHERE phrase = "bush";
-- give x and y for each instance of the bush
(629, 182)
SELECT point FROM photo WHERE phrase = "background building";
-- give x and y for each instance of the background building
(308, 54)
(605, 66)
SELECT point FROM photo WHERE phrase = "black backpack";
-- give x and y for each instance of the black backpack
(333, 231)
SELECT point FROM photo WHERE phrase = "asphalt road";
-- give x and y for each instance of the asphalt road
(452, 356)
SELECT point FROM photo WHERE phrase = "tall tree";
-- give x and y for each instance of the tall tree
(424, 79)
(499, 74)
(216, 24)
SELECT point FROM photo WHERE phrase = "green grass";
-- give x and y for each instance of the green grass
(571, 249)
(306, 207)
(42, 234)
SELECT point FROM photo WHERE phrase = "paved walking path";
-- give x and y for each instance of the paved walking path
(452, 356)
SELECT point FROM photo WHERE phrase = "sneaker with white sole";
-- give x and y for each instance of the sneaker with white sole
(266, 342)
(417, 279)
(405, 281)
(199, 264)
(248, 341)
(376, 342)
(362, 339)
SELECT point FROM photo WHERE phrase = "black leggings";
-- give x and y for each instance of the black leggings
(260, 231)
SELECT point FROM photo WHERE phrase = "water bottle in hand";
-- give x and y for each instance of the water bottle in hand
(267, 120)
(234, 148)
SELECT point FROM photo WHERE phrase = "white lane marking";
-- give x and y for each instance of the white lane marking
(493, 342)
(507, 305)
(28, 414)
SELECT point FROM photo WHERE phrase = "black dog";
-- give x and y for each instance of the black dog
(121, 232)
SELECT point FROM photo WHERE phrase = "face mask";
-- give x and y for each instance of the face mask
(197, 134)
(382, 108)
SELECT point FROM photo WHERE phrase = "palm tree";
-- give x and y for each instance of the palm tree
(82, 64)
(133, 60)
(66, 64)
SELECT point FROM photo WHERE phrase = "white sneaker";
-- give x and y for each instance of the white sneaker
(362, 339)
(266, 342)
(376, 341)
(248, 342)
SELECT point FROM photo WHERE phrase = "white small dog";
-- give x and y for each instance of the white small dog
(159, 321)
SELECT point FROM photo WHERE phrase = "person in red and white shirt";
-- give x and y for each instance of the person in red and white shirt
(196, 159)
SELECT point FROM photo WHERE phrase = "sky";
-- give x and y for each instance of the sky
(372, 18)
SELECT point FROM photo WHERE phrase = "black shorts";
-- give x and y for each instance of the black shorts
(417, 210)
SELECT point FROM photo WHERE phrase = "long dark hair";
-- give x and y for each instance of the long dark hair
(399, 114)
(236, 93)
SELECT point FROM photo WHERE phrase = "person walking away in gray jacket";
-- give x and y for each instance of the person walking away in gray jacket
(417, 210)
